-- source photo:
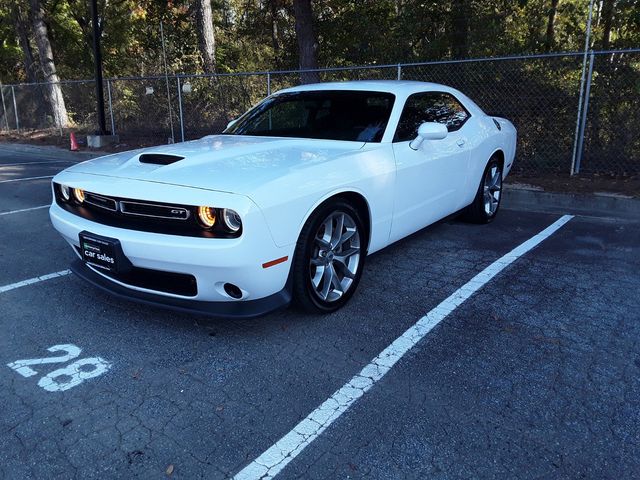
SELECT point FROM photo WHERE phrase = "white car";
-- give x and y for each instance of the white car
(287, 202)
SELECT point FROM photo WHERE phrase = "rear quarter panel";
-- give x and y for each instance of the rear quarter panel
(485, 140)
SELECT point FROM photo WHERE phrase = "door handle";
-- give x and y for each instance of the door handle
(460, 142)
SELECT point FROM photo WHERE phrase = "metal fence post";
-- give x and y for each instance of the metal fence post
(582, 81)
(268, 83)
(15, 107)
(113, 123)
(4, 107)
(399, 72)
(180, 109)
(585, 112)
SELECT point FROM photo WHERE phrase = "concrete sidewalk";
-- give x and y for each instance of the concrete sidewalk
(599, 204)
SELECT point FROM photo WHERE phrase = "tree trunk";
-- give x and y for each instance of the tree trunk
(206, 37)
(307, 40)
(607, 22)
(54, 92)
(460, 13)
(22, 31)
(34, 95)
(273, 10)
(550, 36)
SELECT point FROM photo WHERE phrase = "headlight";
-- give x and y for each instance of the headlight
(231, 219)
(207, 216)
(78, 194)
(65, 191)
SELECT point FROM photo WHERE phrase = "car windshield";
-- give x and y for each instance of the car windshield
(328, 114)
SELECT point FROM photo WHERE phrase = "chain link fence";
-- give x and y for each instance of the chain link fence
(565, 124)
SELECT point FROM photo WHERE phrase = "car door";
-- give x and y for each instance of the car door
(430, 180)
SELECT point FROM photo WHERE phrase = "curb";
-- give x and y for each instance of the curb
(607, 206)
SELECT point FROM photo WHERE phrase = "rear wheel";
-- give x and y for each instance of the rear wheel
(486, 203)
(329, 257)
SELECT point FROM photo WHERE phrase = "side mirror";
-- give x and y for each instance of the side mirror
(231, 123)
(429, 131)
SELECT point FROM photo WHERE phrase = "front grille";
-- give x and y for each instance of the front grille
(101, 202)
(157, 280)
(153, 210)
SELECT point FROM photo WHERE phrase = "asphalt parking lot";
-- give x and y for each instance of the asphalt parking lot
(535, 375)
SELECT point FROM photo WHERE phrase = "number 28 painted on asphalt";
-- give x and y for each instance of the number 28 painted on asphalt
(66, 377)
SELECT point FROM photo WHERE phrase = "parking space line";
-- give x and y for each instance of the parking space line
(2, 165)
(31, 281)
(278, 456)
(24, 179)
(23, 210)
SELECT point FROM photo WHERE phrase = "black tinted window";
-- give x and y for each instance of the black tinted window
(429, 107)
(330, 114)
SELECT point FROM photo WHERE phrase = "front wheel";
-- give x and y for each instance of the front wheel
(486, 203)
(329, 258)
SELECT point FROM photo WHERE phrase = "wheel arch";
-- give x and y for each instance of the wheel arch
(351, 196)
(499, 154)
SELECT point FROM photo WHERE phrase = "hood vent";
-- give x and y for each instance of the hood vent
(159, 158)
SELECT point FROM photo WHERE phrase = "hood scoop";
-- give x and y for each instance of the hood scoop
(159, 158)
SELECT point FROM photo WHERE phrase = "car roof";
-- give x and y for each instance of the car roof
(406, 87)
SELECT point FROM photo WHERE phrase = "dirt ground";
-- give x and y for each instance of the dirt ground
(627, 186)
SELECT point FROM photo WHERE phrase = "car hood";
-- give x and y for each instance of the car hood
(227, 163)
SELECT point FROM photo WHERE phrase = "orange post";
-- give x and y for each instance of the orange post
(74, 143)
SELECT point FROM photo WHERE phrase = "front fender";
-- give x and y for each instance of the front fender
(289, 201)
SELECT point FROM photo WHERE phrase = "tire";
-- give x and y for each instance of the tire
(324, 279)
(486, 203)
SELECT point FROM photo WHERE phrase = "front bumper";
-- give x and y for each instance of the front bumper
(238, 310)
(211, 261)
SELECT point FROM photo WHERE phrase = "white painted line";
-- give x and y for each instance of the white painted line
(24, 179)
(31, 281)
(276, 457)
(23, 210)
(2, 165)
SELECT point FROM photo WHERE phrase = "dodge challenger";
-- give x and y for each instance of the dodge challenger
(285, 204)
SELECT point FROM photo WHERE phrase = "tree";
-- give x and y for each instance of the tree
(550, 36)
(607, 22)
(206, 37)
(460, 14)
(54, 92)
(22, 32)
(273, 18)
(307, 40)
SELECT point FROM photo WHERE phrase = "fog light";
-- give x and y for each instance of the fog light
(207, 216)
(78, 194)
(233, 290)
(231, 219)
(65, 192)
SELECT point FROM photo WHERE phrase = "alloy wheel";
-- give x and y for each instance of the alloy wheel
(335, 256)
(492, 190)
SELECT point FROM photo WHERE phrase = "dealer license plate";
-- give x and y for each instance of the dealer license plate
(101, 252)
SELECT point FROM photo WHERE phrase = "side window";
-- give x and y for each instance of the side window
(430, 107)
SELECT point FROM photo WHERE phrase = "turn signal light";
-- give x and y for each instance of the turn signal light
(207, 216)
(78, 194)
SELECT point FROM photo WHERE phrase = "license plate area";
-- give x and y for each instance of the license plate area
(103, 253)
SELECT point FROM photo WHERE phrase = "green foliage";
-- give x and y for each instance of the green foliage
(253, 35)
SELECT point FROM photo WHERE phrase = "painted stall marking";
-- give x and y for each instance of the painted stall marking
(66, 377)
